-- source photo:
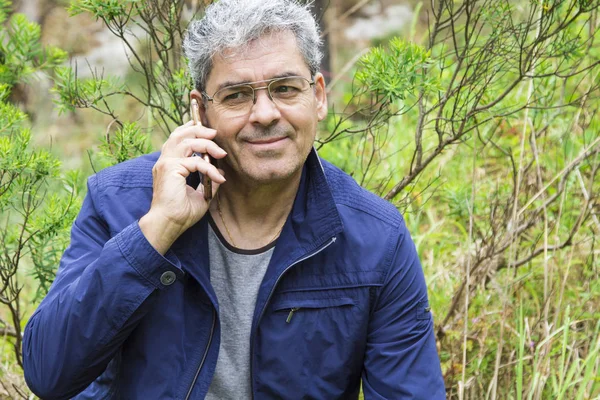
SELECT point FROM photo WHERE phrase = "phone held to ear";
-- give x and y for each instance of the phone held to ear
(195, 111)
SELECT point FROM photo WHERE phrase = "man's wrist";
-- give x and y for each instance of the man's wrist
(159, 232)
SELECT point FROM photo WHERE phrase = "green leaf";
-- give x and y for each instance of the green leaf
(5, 6)
(126, 143)
(81, 93)
(398, 72)
(55, 56)
(11, 117)
(105, 9)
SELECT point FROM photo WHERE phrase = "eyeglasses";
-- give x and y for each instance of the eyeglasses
(237, 100)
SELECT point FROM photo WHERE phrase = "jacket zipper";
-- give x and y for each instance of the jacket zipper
(267, 302)
(291, 314)
(212, 330)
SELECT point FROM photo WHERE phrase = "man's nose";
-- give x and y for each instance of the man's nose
(264, 111)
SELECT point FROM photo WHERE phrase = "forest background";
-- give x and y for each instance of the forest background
(477, 119)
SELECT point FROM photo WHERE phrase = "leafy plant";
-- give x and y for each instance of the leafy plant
(37, 201)
(152, 32)
(487, 134)
(484, 131)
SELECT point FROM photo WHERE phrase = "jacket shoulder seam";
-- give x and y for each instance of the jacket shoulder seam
(394, 243)
(347, 192)
(96, 194)
(135, 173)
(394, 219)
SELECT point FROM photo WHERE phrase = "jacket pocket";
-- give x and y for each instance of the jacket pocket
(313, 303)
(312, 343)
(297, 305)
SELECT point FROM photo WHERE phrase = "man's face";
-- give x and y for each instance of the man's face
(269, 143)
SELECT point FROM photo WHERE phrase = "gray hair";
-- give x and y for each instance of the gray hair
(232, 24)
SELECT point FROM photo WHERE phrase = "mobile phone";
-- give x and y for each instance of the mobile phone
(206, 181)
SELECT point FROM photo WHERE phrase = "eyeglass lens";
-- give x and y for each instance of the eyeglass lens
(239, 99)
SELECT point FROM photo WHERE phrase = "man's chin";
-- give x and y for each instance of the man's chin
(271, 173)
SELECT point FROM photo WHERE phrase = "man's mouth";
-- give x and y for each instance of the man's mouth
(266, 140)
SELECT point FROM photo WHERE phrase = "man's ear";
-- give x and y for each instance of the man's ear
(321, 96)
(195, 94)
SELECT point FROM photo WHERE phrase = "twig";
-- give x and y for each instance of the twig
(345, 15)
(468, 267)
(583, 155)
(346, 68)
(586, 196)
(8, 331)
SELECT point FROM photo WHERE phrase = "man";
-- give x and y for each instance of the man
(293, 282)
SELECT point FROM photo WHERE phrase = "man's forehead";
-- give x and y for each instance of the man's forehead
(280, 45)
(253, 47)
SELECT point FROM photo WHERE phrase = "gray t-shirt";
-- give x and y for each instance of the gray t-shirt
(236, 276)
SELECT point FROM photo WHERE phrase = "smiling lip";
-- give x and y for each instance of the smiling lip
(267, 140)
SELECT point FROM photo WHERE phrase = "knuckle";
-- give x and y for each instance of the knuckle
(202, 165)
(158, 166)
(186, 147)
(173, 136)
(166, 147)
(177, 135)
(178, 130)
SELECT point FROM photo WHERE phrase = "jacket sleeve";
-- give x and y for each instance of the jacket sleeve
(401, 360)
(103, 287)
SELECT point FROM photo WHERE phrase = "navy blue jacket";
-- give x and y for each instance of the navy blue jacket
(113, 324)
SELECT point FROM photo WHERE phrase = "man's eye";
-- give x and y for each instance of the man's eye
(286, 90)
(283, 89)
(235, 96)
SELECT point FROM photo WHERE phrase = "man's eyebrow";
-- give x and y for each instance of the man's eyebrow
(235, 83)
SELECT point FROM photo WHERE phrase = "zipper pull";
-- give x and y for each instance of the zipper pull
(291, 314)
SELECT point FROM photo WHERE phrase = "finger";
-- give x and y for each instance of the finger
(195, 110)
(182, 127)
(193, 131)
(215, 186)
(179, 136)
(193, 164)
(190, 146)
(188, 131)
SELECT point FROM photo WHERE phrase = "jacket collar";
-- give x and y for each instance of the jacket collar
(314, 216)
(313, 221)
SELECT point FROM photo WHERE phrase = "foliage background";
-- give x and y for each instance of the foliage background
(478, 120)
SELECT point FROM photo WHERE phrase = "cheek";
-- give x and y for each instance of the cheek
(226, 128)
(308, 103)
(304, 116)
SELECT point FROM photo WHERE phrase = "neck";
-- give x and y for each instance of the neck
(252, 214)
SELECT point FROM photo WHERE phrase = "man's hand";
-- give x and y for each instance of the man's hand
(176, 206)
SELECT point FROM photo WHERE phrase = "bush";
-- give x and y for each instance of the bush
(38, 202)
(483, 132)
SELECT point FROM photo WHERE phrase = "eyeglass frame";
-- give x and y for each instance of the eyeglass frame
(249, 84)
